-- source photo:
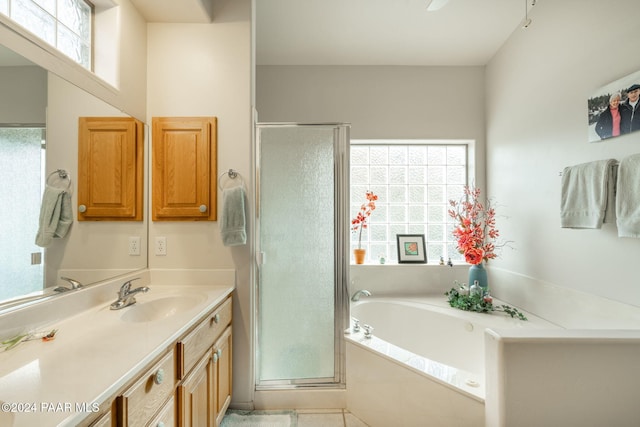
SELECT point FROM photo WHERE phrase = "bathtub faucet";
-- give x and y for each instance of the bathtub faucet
(358, 294)
(368, 330)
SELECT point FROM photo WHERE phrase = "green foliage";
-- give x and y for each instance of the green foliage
(480, 304)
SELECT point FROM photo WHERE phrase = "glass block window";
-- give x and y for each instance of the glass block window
(64, 24)
(414, 181)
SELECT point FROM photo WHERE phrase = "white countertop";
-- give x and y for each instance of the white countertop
(95, 352)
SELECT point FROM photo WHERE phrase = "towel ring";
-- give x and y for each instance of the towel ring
(232, 174)
(62, 174)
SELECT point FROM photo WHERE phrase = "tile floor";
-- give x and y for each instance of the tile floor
(328, 418)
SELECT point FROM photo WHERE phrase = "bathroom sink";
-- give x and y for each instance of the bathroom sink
(160, 308)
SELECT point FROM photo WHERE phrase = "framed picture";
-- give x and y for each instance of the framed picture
(613, 109)
(411, 248)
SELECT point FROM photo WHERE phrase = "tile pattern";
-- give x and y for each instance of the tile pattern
(328, 418)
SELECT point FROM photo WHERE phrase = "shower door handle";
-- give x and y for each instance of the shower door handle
(261, 258)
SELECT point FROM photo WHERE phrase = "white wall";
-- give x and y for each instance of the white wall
(379, 102)
(26, 87)
(124, 87)
(205, 70)
(537, 90)
(92, 250)
(383, 102)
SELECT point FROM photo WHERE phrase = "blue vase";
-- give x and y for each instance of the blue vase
(478, 272)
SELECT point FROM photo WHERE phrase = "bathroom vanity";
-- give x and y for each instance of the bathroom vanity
(166, 360)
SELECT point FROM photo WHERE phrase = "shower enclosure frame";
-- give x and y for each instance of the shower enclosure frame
(341, 259)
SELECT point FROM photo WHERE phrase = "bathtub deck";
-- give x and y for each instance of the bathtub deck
(456, 379)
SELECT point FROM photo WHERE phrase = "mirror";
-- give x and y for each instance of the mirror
(47, 108)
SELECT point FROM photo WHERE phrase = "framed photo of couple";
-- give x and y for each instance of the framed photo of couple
(411, 248)
(614, 109)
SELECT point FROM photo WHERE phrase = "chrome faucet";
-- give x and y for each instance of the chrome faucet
(126, 296)
(358, 294)
(74, 285)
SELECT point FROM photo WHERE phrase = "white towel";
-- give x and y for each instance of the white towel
(587, 195)
(628, 197)
(55, 216)
(232, 223)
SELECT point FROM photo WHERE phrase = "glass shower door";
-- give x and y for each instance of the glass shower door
(22, 157)
(302, 244)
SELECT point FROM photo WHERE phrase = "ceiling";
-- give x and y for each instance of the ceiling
(383, 32)
(194, 11)
(365, 32)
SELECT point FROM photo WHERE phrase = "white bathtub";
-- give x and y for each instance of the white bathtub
(424, 364)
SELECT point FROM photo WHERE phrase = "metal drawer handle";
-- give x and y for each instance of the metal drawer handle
(158, 377)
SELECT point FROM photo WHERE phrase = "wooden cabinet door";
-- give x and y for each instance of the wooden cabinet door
(222, 375)
(194, 395)
(103, 421)
(184, 168)
(110, 169)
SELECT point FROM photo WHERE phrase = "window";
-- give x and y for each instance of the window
(414, 181)
(64, 24)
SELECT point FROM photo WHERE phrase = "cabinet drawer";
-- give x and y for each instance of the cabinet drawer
(138, 404)
(167, 415)
(198, 341)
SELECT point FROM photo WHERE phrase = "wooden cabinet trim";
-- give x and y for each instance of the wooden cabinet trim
(169, 406)
(223, 368)
(110, 169)
(184, 168)
(202, 337)
(143, 399)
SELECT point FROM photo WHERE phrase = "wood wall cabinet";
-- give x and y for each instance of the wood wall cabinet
(110, 169)
(184, 172)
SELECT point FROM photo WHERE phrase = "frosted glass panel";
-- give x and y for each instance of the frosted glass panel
(20, 211)
(297, 279)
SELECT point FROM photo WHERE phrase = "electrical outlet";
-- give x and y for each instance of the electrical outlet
(161, 246)
(134, 245)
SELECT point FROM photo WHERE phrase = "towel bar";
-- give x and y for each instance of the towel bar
(613, 166)
(62, 174)
(232, 174)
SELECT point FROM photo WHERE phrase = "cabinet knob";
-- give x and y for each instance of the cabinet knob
(215, 357)
(216, 318)
(219, 353)
(82, 208)
(160, 424)
(203, 208)
(158, 377)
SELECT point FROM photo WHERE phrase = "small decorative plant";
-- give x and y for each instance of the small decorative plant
(360, 221)
(475, 229)
(460, 298)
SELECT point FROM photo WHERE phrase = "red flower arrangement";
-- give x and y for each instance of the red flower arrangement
(476, 227)
(360, 221)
